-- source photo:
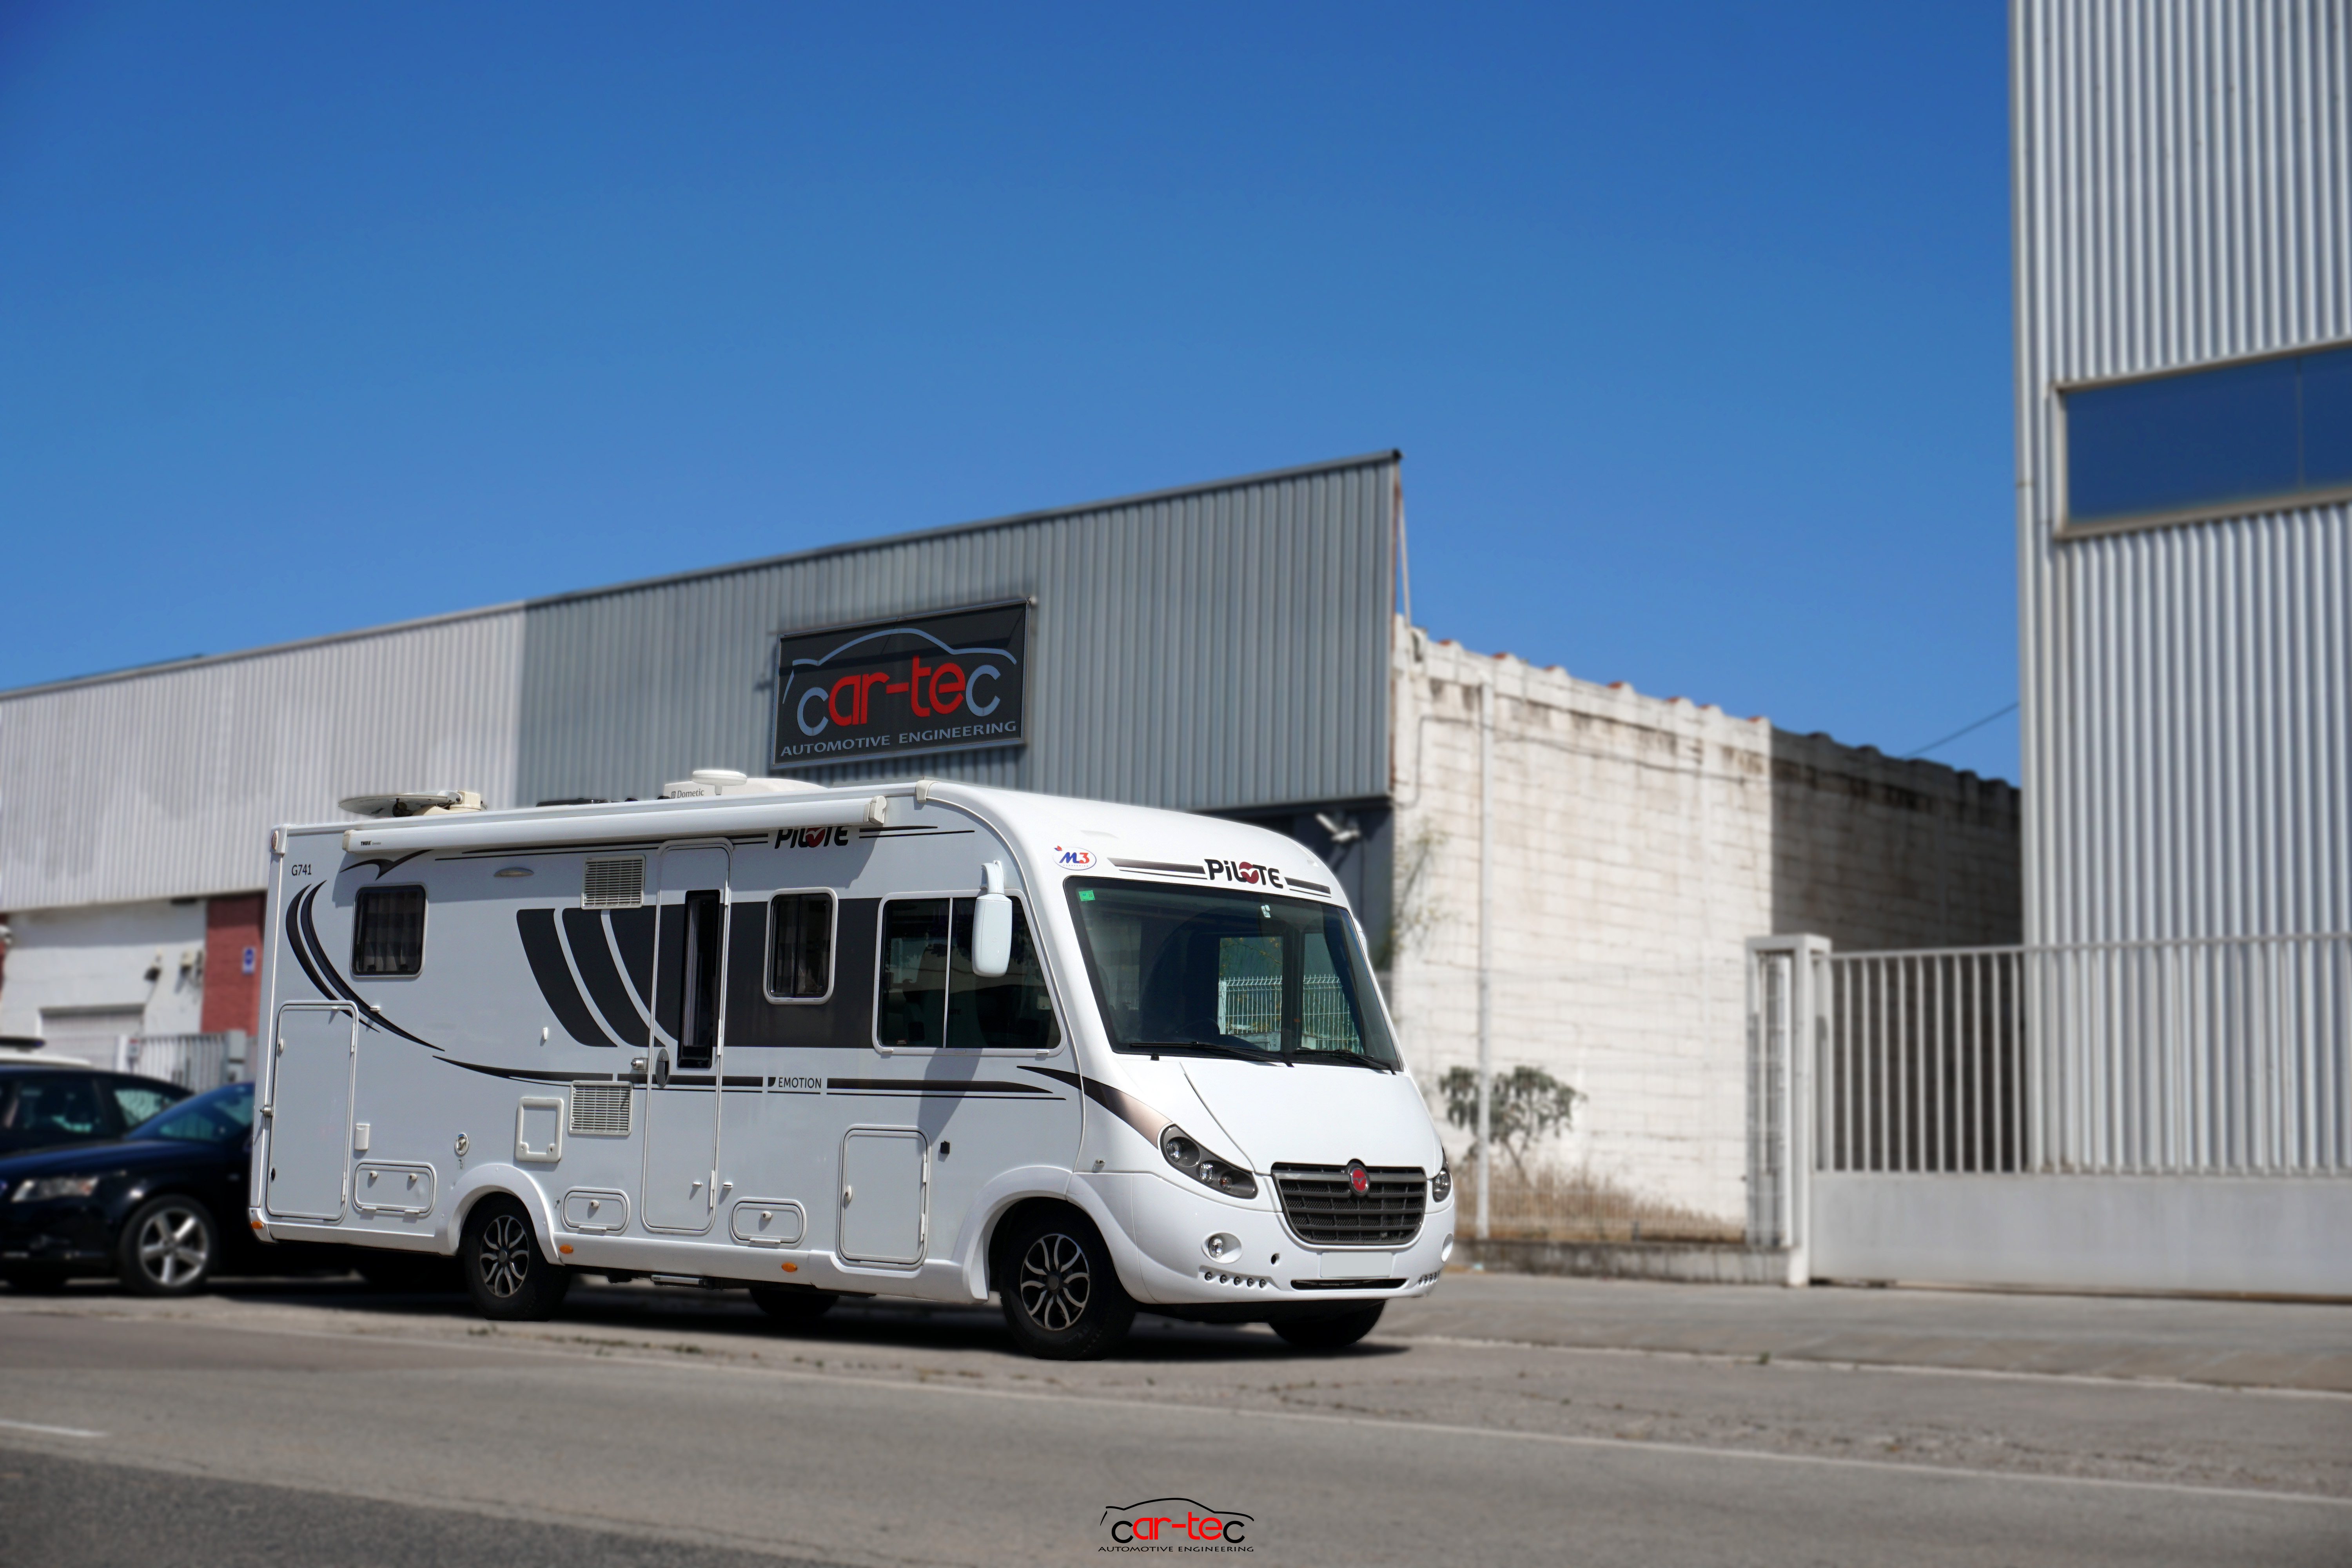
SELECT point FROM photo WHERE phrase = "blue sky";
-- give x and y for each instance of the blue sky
(1693, 321)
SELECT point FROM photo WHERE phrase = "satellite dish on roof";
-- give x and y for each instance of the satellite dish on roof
(419, 803)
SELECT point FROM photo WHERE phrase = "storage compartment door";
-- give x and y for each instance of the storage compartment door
(882, 1193)
(311, 1112)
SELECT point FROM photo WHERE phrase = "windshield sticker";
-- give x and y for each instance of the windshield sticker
(1247, 873)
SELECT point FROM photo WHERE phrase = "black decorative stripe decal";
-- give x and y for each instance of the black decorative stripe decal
(1311, 887)
(536, 1075)
(591, 954)
(1166, 866)
(910, 1086)
(301, 953)
(540, 945)
(1118, 1101)
(383, 866)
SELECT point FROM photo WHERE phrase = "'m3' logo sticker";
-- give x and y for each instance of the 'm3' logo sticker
(1073, 859)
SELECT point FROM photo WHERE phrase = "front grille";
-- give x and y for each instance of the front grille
(1324, 1211)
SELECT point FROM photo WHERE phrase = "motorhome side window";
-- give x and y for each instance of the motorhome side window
(929, 995)
(388, 931)
(800, 946)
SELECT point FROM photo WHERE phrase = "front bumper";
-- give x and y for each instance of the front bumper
(1162, 1258)
(60, 1232)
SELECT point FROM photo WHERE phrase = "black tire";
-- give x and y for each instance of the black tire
(792, 1306)
(407, 1272)
(1336, 1331)
(167, 1247)
(509, 1281)
(1062, 1296)
(35, 1281)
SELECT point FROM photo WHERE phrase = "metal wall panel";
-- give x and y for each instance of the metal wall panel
(165, 783)
(1217, 648)
(2183, 194)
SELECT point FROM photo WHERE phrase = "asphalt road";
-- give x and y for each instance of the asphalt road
(1508, 1420)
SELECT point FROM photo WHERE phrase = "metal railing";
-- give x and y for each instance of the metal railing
(194, 1062)
(2215, 1056)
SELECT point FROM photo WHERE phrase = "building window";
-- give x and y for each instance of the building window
(2224, 440)
(800, 947)
(388, 931)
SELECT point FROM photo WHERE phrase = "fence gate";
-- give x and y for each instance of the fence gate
(2173, 1115)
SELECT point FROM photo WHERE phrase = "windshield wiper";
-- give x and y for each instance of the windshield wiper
(1247, 1053)
(1353, 1058)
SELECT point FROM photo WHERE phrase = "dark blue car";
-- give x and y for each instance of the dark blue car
(161, 1207)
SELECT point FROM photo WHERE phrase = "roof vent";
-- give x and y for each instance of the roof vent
(707, 782)
(421, 803)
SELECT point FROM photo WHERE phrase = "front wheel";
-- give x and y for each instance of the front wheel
(509, 1281)
(1336, 1331)
(1062, 1298)
(168, 1248)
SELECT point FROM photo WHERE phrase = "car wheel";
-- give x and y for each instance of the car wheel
(167, 1247)
(1336, 1331)
(1062, 1298)
(793, 1305)
(505, 1274)
(35, 1281)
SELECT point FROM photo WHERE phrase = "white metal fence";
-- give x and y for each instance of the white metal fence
(1253, 1007)
(2222, 1056)
(2165, 1115)
(194, 1062)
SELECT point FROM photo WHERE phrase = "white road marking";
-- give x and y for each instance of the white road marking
(49, 1431)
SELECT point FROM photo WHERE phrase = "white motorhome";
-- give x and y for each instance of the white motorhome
(920, 1039)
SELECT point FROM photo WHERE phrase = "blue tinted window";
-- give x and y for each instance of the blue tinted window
(2212, 437)
(2327, 420)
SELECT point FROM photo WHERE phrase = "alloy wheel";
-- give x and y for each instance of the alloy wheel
(173, 1247)
(1056, 1281)
(505, 1255)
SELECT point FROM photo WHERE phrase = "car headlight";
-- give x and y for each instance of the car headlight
(1441, 1186)
(43, 1187)
(1179, 1150)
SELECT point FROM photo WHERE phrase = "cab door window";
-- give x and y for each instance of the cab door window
(930, 997)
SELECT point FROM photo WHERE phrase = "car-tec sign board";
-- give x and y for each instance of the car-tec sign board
(918, 683)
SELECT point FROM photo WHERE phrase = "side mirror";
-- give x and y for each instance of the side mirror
(992, 925)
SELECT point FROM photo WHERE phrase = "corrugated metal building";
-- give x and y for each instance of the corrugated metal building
(1223, 648)
(2183, 188)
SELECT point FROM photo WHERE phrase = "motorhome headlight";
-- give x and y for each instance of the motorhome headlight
(1441, 1186)
(1179, 1150)
(43, 1188)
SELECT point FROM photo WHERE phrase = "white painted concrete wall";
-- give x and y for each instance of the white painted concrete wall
(97, 956)
(2282, 1235)
(1638, 842)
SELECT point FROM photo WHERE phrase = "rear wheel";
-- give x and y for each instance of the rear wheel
(1062, 1298)
(505, 1274)
(1335, 1332)
(167, 1247)
(792, 1306)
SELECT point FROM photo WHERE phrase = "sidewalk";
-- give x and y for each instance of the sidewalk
(2248, 1344)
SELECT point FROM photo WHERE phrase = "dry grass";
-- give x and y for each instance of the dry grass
(1548, 1203)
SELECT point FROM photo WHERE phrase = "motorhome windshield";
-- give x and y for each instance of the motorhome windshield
(1228, 973)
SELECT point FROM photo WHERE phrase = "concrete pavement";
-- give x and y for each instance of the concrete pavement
(894, 1433)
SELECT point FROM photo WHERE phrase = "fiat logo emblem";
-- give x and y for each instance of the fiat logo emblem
(1360, 1180)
